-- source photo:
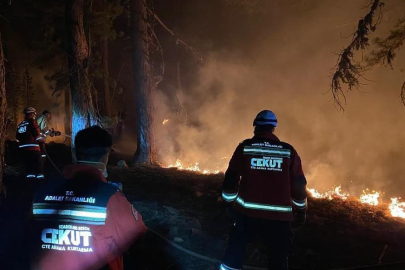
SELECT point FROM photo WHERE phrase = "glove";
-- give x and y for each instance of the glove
(300, 217)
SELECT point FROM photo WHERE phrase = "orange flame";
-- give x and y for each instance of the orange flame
(165, 121)
(370, 198)
(397, 208)
(195, 168)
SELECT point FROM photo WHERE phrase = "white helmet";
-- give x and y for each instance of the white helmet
(29, 110)
(265, 117)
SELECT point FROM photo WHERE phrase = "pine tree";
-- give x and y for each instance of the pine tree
(27, 89)
(15, 96)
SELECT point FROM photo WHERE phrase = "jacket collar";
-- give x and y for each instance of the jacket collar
(266, 135)
(83, 171)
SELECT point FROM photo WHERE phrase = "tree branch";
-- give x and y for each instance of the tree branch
(196, 52)
(347, 70)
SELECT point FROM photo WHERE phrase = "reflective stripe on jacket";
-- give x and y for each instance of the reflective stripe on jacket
(265, 179)
(28, 135)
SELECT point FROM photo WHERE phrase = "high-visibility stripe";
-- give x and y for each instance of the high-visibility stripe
(30, 175)
(265, 207)
(43, 155)
(224, 267)
(91, 208)
(229, 197)
(300, 204)
(73, 213)
(40, 176)
(267, 150)
(29, 145)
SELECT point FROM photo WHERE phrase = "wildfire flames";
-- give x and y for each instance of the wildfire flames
(397, 208)
(373, 198)
(370, 198)
(194, 168)
(165, 121)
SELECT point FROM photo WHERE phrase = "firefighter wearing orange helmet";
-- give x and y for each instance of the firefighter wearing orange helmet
(266, 183)
(29, 138)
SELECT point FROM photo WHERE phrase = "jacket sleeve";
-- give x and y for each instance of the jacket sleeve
(35, 131)
(124, 224)
(298, 183)
(42, 125)
(230, 186)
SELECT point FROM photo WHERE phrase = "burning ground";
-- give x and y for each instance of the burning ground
(183, 206)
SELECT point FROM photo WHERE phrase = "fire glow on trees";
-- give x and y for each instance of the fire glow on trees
(372, 198)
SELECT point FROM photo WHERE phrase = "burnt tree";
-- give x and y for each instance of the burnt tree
(83, 113)
(3, 105)
(143, 88)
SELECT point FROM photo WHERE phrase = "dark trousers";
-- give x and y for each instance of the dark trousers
(32, 162)
(276, 235)
(42, 160)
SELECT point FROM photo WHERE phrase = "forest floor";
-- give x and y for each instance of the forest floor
(183, 207)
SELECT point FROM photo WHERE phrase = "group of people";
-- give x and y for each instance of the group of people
(81, 222)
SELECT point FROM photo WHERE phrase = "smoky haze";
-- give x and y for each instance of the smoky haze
(284, 64)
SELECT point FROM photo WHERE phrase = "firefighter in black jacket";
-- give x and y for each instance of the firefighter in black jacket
(29, 138)
(266, 182)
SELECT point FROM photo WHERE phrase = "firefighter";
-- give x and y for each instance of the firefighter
(267, 186)
(29, 138)
(43, 122)
(80, 222)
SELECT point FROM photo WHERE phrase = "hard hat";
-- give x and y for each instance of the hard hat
(29, 110)
(265, 117)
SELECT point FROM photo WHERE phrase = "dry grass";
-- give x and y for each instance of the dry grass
(337, 234)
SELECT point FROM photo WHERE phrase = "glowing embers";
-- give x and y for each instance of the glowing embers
(370, 197)
(194, 168)
(165, 121)
(397, 208)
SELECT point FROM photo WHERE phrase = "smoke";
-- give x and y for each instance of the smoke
(286, 69)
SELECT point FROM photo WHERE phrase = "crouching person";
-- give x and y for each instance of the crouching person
(80, 222)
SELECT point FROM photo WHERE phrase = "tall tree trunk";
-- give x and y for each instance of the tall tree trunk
(143, 91)
(83, 113)
(68, 113)
(3, 106)
(27, 88)
(107, 95)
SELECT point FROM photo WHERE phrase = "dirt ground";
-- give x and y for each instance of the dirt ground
(183, 207)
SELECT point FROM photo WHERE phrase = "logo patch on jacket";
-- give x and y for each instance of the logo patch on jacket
(266, 163)
(67, 238)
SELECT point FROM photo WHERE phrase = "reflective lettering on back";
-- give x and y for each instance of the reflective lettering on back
(67, 238)
(266, 163)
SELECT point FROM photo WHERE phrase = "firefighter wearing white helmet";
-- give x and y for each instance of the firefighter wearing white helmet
(266, 185)
(29, 138)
